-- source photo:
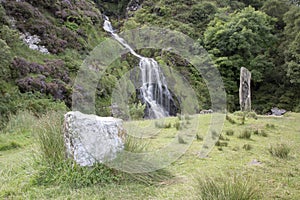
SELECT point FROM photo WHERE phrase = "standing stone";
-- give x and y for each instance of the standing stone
(245, 90)
(90, 139)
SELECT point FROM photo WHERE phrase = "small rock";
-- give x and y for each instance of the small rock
(255, 162)
(209, 111)
(277, 112)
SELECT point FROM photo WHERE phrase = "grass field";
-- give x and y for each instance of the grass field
(259, 154)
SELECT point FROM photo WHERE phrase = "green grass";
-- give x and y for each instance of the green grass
(227, 188)
(280, 150)
(24, 174)
(246, 134)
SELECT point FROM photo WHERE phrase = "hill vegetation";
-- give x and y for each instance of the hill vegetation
(262, 36)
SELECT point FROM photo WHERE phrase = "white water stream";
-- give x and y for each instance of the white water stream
(154, 88)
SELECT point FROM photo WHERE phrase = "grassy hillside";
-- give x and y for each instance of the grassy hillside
(256, 156)
(266, 163)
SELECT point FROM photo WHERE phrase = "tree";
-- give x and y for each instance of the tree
(292, 44)
(276, 9)
(240, 39)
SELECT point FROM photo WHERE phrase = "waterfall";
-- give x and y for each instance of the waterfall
(154, 90)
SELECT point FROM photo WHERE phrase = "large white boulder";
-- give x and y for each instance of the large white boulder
(90, 139)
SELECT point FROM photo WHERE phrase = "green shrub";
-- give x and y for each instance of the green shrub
(237, 188)
(246, 134)
(279, 150)
(137, 111)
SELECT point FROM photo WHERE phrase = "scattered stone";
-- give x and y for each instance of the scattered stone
(91, 139)
(209, 111)
(33, 43)
(277, 112)
(255, 163)
(245, 90)
(134, 5)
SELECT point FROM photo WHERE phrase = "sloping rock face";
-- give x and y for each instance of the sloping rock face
(91, 139)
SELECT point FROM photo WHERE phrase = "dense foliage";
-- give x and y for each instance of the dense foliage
(262, 36)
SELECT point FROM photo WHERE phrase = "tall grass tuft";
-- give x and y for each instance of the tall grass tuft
(227, 189)
(135, 145)
(246, 134)
(230, 132)
(280, 150)
(18, 131)
(21, 123)
(50, 137)
(230, 119)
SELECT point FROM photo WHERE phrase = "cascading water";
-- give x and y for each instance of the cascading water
(154, 90)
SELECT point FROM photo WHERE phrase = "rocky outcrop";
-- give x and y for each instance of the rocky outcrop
(91, 139)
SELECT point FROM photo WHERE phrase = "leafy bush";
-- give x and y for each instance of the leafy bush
(279, 150)
(227, 189)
